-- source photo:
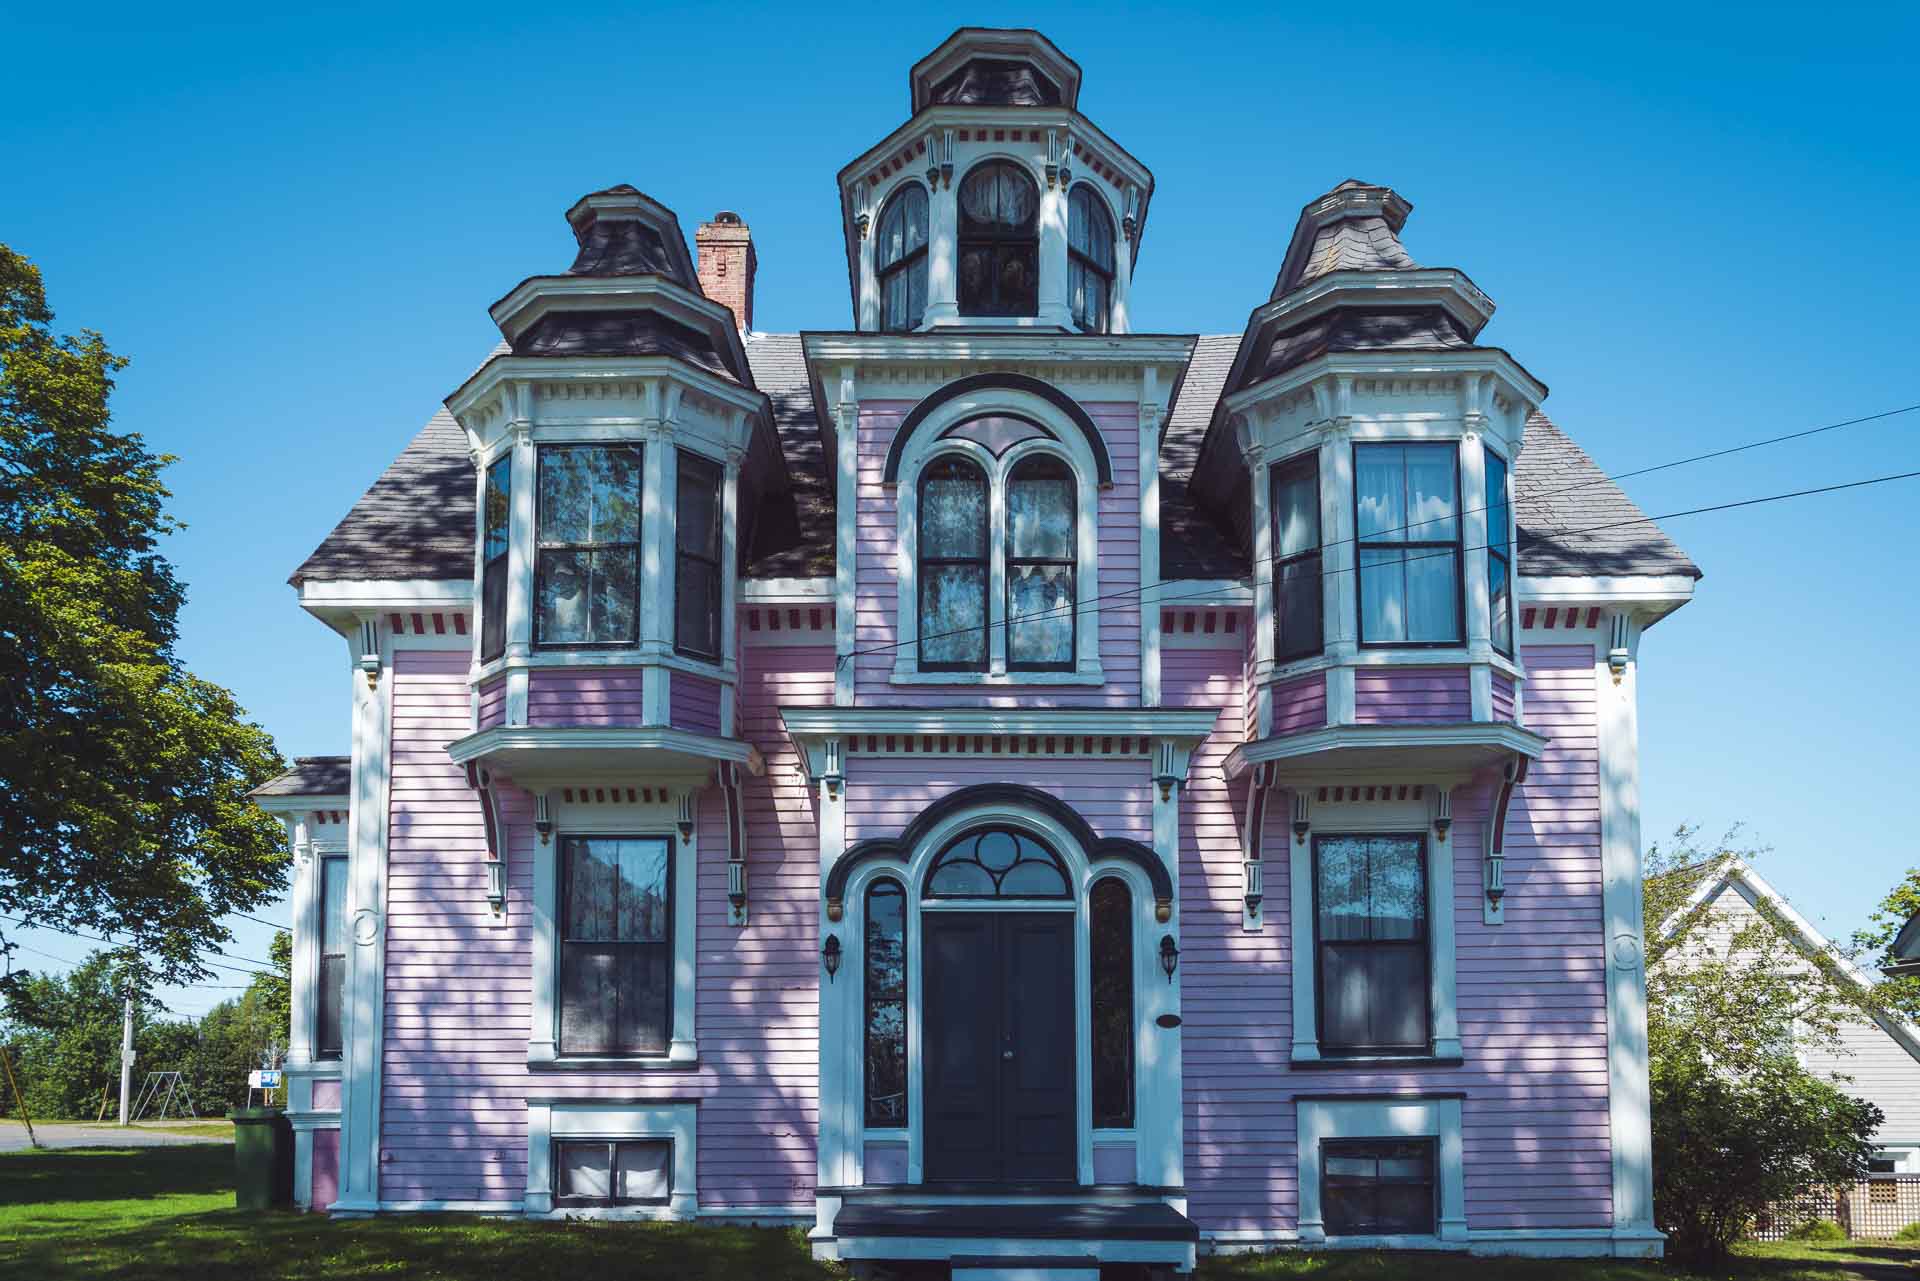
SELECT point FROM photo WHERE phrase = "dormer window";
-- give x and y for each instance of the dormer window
(1297, 594)
(1089, 260)
(999, 241)
(1407, 508)
(587, 571)
(901, 259)
(495, 526)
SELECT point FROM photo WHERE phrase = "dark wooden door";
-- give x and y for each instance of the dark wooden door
(999, 1036)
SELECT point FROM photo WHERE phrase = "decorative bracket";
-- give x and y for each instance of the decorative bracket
(1059, 158)
(481, 781)
(542, 818)
(684, 813)
(1170, 762)
(729, 778)
(863, 206)
(1442, 812)
(833, 775)
(1621, 653)
(1130, 220)
(367, 650)
(1253, 888)
(1511, 777)
(1302, 815)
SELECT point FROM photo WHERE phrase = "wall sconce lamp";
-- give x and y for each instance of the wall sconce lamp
(1169, 956)
(830, 956)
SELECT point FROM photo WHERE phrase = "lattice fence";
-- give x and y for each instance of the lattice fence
(1874, 1208)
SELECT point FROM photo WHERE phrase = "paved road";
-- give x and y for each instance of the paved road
(67, 1134)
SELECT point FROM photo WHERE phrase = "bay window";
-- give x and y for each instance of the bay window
(1041, 542)
(999, 241)
(901, 258)
(1370, 934)
(1499, 555)
(1296, 559)
(952, 566)
(697, 552)
(495, 523)
(1089, 260)
(587, 562)
(1407, 515)
(329, 1034)
(616, 945)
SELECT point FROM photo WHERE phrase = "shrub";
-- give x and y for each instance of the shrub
(1818, 1230)
(1909, 1233)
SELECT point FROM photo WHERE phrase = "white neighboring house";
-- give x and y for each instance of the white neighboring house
(1878, 1058)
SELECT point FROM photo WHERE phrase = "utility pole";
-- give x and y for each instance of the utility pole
(126, 1057)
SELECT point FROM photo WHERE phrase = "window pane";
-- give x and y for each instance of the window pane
(1040, 614)
(593, 890)
(588, 597)
(1433, 594)
(645, 1170)
(493, 609)
(1040, 512)
(1033, 879)
(886, 996)
(696, 624)
(1433, 506)
(1089, 229)
(953, 613)
(1019, 280)
(1110, 930)
(585, 1170)
(697, 506)
(961, 880)
(330, 1029)
(1341, 887)
(976, 279)
(1500, 604)
(644, 986)
(590, 494)
(1296, 508)
(642, 914)
(1396, 995)
(953, 511)
(496, 519)
(1499, 514)
(1383, 591)
(1397, 892)
(1345, 989)
(1297, 597)
(589, 998)
(333, 906)
(1380, 491)
(903, 228)
(1378, 1187)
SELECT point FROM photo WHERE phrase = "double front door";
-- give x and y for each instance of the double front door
(999, 1038)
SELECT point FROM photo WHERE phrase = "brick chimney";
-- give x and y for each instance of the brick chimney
(727, 264)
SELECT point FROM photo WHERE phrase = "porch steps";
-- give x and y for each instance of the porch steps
(1016, 1239)
(1084, 1267)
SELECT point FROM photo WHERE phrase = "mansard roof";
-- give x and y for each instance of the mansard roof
(1354, 227)
(995, 67)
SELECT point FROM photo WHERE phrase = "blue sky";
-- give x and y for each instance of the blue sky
(1699, 232)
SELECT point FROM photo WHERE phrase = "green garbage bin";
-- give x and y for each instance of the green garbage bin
(262, 1158)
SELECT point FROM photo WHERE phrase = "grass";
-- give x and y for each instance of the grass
(137, 1213)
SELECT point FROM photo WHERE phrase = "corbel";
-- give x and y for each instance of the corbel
(931, 145)
(1170, 767)
(480, 779)
(1252, 862)
(946, 157)
(367, 649)
(1514, 774)
(542, 818)
(1130, 219)
(729, 779)
(684, 819)
(1442, 812)
(833, 776)
(863, 206)
(1620, 651)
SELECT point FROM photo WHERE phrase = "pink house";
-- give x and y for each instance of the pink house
(984, 779)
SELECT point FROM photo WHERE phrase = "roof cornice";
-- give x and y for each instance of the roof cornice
(536, 296)
(487, 380)
(1392, 363)
(1024, 346)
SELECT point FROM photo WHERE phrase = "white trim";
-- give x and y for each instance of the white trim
(1673, 589)
(1399, 818)
(1323, 1119)
(1538, 1243)
(532, 754)
(678, 1123)
(1009, 346)
(1159, 722)
(382, 594)
(1205, 593)
(769, 591)
(640, 819)
(1398, 749)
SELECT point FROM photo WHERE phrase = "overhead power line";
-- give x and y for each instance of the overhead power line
(95, 938)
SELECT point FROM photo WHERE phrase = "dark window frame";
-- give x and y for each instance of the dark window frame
(715, 562)
(613, 1145)
(322, 1050)
(494, 558)
(1126, 1117)
(1500, 549)
(1041, 458)
(1353, 1146)
(1307, 462)
(1000, 242)
(564, 879)
(541, 546)
(1425, 941)
(922, 562)
(1097, 205)
(909, 260)
(1430, 547)
(871, 1117)
(973, 834)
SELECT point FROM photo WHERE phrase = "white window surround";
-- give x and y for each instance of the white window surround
(1156, 1081)
(1394, 817)
(659, 819)
(550, 1121)
(1069, 445)
(1319, 1120)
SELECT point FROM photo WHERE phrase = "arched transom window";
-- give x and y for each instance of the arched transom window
(1089, 260)
(999, 241)
(997, 862)
(901, 259)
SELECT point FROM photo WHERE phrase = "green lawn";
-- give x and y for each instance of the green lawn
(168, 1213)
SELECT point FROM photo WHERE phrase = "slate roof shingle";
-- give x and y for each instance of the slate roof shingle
(415, 522)
(311, 776)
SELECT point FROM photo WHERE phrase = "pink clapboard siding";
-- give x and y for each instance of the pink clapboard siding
(875, 577)
(885, 793)
(1502, 697)
(1411, 695)
(584, 696)
(1300, 705)
(1532, 995)
(325, 1188)
(493, 704)
(458, 1000)
(693, 703)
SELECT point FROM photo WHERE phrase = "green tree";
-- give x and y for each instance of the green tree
(63, 1032)
(123, 777)
(1738, 1124)
(1901, 994)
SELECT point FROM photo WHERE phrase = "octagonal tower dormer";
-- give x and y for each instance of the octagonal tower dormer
(997, 205)
(625, 467)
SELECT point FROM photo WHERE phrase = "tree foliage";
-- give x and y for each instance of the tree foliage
(1901, 994)
(1738, 1123)
(63, 1032)
(123, 777)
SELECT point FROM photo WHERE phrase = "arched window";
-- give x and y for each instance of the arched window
(886, 998)
(1089, 260)
(997, 862)
(953, 566)
(1110, 953)
(901, 258)
(999, 241)
(1041, 541)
